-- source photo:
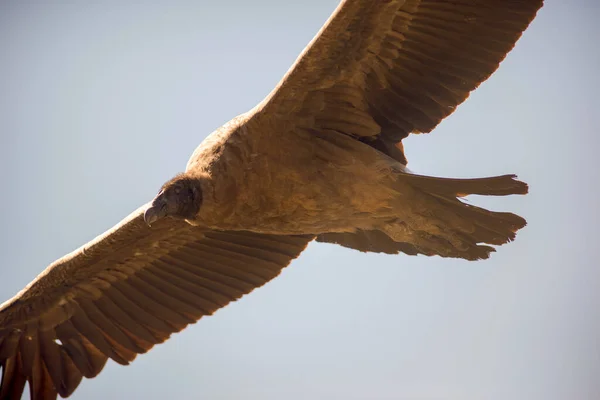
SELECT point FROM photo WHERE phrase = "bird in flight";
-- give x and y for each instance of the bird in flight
(320, 158)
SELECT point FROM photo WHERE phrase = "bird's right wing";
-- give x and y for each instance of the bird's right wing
(124, 292)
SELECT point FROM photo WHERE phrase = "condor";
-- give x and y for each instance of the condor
(321, 157)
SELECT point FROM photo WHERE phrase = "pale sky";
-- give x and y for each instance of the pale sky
(101, 103)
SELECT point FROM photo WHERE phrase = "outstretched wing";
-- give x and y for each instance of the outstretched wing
(124, 292)
(381, 69)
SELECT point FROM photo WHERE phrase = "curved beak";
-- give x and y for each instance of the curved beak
(156, 211)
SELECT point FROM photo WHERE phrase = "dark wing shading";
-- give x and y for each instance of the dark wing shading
(124, 292)
(368, 241)
(381, 69)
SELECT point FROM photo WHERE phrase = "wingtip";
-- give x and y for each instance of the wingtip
(519, 186)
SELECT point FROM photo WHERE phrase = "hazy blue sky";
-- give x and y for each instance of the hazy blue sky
(101, 103)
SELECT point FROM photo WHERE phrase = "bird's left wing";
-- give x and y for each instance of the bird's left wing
(381, 69)
(124, 292)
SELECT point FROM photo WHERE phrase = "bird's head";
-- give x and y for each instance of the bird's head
(180, 197)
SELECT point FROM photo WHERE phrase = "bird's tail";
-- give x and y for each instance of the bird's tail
(433, 221)
(503, 185)
(446, 226)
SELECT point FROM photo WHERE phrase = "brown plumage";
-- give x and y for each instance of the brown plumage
(321, 157)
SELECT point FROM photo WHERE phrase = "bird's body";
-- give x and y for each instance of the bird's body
(320, 158)
(328, 183)
(260, 187)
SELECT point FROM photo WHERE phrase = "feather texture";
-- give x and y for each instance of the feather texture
(381, 70)
(135, 302)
